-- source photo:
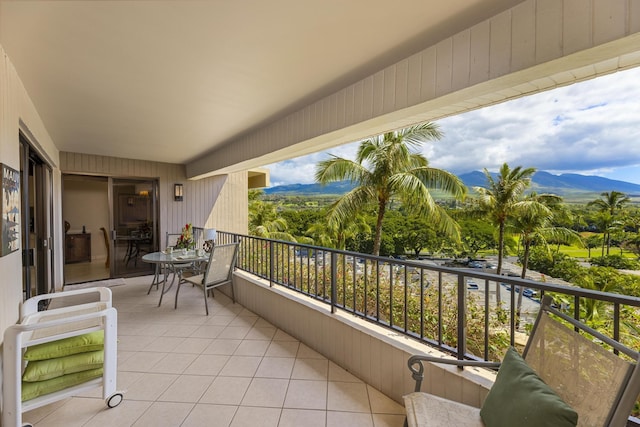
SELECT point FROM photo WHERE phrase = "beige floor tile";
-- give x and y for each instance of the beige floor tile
(149, 386)
(140, 361)
(241, 366)
(269, 392)
(336, 373)
(244, 320)
(283, 336)
(226, 391)
(210, 416)
(222, 346)
(181, 330)
(164, 414)
(275, 367)
(302, 417)
(157, 329)
(133, 342)
(187, 388)
(164, 344)
(75, 412)
(310, 369)
(388, 420)
(261, 333)
(282, 349)
(207, 364)
(219, 320)
(262, 323)
(256, 417)
(37, 414)
(125, 414)
(351, 419)
(174, 363)
(207, 331)
(351, 397)
(252, 348)
(306, 394)
(305, 352)
(382, 404)
(235, 332)
(193, 345)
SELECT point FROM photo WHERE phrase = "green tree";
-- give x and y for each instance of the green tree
(264, 220)
(499, 201)
(610, 202)
(386, 167)
(332, 234)
(534, 222)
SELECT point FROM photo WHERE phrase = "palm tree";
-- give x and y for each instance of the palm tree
(331, 234)
(500, 199)
(534, 222)
(387, 168)
(610, 202)
(264, 220)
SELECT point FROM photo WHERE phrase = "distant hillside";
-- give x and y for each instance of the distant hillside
(568, 184)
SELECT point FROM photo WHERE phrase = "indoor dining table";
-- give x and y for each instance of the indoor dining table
(165, 260)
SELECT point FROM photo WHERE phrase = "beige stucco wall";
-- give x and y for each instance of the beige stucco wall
(17, 112)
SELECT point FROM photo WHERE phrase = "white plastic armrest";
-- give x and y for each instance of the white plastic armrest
(30, 306)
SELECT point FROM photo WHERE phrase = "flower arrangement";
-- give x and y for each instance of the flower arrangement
(185, 241)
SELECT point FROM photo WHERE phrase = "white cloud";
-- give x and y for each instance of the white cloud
(591, 127)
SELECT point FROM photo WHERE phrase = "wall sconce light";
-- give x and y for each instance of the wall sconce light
(177, 192)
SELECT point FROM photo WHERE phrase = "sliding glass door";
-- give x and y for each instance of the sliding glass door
(134, 230)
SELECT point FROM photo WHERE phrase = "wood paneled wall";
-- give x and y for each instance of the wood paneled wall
(215, 202)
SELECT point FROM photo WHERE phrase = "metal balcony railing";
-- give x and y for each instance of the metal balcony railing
(453, 309)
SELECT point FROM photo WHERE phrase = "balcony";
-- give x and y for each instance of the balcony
(231, 368)
(317, 337)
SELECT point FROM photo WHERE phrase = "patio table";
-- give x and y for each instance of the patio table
(163, 260)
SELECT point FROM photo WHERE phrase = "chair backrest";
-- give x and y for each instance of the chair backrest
(598, 384)
(222, 260)
(171, 239)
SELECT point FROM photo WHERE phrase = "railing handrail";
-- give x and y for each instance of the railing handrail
(280, 268)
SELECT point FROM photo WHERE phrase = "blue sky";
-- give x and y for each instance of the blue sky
(590, 128)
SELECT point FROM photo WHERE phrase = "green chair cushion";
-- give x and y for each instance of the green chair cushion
(41, 370)
(520, 398)
(33, 390)
(79, 344)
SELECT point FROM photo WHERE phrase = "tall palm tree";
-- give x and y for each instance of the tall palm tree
(610, 202)
(500, 199)
(534, 222)
(386, 167)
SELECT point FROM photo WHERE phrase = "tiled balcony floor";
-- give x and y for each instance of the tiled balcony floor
(231, 368)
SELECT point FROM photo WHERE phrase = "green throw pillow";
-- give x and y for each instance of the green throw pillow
(33, 390)
(41, 370)
(79, 344)
(520, 398)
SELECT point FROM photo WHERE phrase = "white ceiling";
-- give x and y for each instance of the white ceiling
(171, 80)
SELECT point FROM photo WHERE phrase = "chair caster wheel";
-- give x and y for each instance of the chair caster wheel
(114, 400)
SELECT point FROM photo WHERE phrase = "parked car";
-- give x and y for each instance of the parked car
(476, 264)
(472, 285)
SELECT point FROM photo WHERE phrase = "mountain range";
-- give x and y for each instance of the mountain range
(567, 184)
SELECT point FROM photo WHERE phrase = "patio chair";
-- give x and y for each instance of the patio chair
(219, 271)
(597, 377)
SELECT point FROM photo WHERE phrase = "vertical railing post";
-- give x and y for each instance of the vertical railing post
(334, 281)
(272, 263)
(462, 318)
